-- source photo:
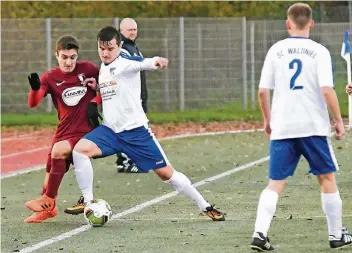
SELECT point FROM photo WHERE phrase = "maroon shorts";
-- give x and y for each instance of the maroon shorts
(73, 141)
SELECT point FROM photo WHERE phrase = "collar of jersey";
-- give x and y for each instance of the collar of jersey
(298, 37)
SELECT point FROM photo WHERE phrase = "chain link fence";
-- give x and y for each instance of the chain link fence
(213, 61)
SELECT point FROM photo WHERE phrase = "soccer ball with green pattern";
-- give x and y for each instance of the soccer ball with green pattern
(97, 213)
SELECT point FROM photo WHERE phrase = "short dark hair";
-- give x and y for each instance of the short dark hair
(301, 14)
(67, 42)
(109, 33)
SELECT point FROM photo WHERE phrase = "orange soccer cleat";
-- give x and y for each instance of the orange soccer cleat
(44, 203)
(39, 217)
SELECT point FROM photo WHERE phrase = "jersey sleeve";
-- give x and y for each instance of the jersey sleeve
(44, 84)
(267, 79)
(136, 63)
(325, 69)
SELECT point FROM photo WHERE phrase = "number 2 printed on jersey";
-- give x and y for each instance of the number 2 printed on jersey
(295, 64)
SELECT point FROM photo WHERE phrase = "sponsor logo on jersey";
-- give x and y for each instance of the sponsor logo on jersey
(112, 71)
(58, 84)
(72, 96)
(107, 84)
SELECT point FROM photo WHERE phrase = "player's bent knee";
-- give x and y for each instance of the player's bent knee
(165, 173)
(61, 150)
(87, 148)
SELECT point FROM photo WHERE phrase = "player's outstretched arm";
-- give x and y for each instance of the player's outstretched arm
(147, 64)
(349, 89)
(333, 105)
(36, 94)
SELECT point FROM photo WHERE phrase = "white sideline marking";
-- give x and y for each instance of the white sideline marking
(209, 134)
(138, 207)
(24, 171)
(24, 152)
(13, 174)
(27, 136)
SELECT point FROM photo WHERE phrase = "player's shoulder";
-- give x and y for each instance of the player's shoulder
(50, 74)
(86, 65)
(128, 57)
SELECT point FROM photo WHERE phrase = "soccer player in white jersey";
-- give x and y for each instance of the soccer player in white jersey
(299, 71)
(124, 127)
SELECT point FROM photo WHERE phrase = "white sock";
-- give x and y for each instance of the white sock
(266, 210)
(183, 185)
(84, 175)
(332, 207)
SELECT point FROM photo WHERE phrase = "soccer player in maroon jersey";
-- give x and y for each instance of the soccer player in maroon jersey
(72, 88)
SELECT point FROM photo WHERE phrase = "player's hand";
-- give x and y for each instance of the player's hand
(91, 82)
(339, 130)
(162, 62)
(34, 81)
(93, 114)
(267, 129)
(349, 89)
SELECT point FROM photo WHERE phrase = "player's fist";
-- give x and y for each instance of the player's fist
(339, 129)
(349, 89)
(34, 81)
(162, 62)
(91, 82)
(267, 128)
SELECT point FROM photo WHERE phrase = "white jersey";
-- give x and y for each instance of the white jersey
(120, 88)
(296, 68)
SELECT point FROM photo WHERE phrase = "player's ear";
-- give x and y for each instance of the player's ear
(312, 23)
(288, 25)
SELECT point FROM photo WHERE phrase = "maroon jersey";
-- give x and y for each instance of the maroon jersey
(70, 97)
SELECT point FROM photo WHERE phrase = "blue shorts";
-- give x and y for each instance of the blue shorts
(285, 155)
(139, 144)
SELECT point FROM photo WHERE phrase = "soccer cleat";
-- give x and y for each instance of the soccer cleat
(44, 203)
(345, 231)
(39, 217)
(132, 168)
(123, 165)
(346, 239)
(261, 243)
(76, 209)
(214, 214)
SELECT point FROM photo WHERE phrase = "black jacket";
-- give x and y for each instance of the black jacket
(132, 49)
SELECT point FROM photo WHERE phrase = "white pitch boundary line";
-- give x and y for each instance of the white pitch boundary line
(138, 207)
(29, 135)
(227, 219)
(20, 172)
(24, 171)
(24, 152)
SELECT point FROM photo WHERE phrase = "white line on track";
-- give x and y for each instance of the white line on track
(25, 152)
(24, 171)
(139, 207)
(12, 174)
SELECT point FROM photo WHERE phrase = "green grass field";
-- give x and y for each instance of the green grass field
(174, 225)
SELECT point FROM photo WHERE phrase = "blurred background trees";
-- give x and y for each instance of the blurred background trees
(323, 11)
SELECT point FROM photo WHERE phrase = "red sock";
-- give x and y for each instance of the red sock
(57, 172)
